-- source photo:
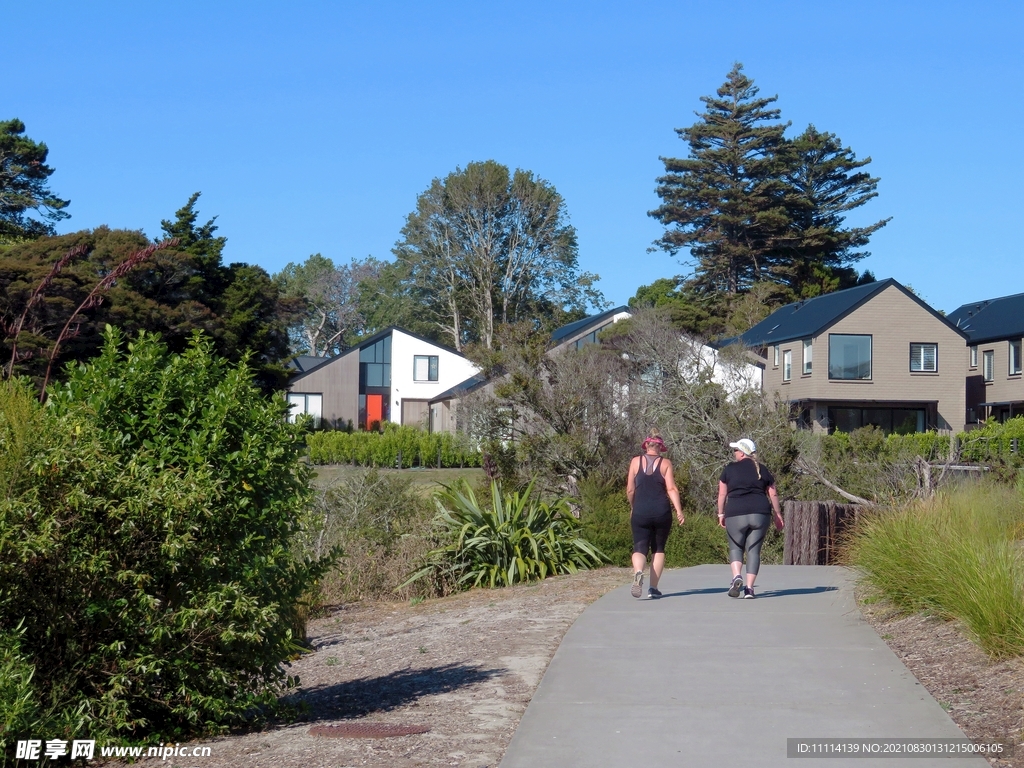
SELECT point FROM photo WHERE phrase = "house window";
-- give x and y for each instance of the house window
(776, 348)
(807, 357)
(974, 356)
(988, 359)
(302, 403)
(924, 358)
(849, 356)
(1015, 357)
(375, 365)
(787, 365)
(424, 368)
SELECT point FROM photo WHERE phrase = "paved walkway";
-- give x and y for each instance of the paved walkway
(699, 679)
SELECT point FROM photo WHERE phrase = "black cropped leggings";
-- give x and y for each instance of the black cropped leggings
(747, 532)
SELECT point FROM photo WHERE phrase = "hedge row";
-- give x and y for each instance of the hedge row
(993, 441)
(383, 449)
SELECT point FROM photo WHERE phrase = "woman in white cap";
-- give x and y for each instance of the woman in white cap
(746, 501)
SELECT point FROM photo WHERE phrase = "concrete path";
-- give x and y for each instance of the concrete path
(699, 679)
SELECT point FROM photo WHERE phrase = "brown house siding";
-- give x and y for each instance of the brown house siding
(338, 382)
(1004, 387)
(894, 321)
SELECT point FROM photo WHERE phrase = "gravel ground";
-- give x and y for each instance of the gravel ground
(466, 666)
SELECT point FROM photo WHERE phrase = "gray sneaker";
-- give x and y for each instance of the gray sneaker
(737, 587)
(638, 584)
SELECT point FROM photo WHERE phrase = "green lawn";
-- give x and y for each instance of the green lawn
(423, 479)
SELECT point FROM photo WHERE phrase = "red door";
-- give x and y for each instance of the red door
(374, 409)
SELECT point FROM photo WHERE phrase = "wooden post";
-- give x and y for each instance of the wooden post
(814, 530)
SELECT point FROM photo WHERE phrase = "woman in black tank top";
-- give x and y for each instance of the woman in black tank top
(652, 493)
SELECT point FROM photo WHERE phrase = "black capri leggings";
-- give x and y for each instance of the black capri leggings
(650, 534)
(747, 532)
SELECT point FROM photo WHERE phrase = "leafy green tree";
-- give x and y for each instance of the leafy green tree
(486, 247)
(24, 186)
(390, 298)
(209, 276)
(726, 201)
(824, 182)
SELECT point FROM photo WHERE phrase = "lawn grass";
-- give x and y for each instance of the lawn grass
(957, 556)
(423, 480)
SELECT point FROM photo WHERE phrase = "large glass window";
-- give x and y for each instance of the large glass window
(924, 358)
(988, 367)
(375, 365)
(787, 365)
(424, 368)
(902, 421)
(807, 357)
(304, 403)
(849, 356)
(1015, 357)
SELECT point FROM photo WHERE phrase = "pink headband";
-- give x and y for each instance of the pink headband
(653, 441)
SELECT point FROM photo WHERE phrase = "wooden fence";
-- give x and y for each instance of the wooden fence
(814, 529)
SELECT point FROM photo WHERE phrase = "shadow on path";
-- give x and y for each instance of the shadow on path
(760, 595)
(357, 698)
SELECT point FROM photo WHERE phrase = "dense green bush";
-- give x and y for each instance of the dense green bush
(957, 556)
(605, 521)
(149, 581)
(382, 449)
(516, 538)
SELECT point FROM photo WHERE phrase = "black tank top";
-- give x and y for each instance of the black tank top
(650, 499)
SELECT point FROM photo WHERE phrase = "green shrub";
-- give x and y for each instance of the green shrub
(517, 538)
(149, 552)
(957, 556)
(382, 449)
(605, 520)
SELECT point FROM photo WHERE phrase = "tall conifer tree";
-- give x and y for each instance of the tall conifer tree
(824, 181)
(726, 201)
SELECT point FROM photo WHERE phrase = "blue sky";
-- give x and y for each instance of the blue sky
(311, 127)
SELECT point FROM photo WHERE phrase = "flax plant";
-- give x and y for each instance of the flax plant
(517, 538)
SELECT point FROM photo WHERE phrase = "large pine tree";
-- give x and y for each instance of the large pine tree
(824, 182)
(726, 201)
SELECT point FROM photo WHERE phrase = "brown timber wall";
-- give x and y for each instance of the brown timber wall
(814, 529)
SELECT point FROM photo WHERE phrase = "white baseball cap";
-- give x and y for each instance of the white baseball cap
(744, 444)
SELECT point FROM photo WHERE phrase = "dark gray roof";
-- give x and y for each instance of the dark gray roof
(306, 363)
(583, 325)
(803, 319)
(992, 319)
(462, 388)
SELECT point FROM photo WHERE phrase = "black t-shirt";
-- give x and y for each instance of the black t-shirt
(747, 492)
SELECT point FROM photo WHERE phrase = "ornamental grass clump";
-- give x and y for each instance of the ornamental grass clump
(516, 538)
(957, 556)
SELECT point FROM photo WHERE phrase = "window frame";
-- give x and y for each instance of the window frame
(433, 364)
(988, 365)
(871, 356)
(921, 345)
(974, 356)
(776, 348)
(808, 353)
(1013, 361)
(787, 365)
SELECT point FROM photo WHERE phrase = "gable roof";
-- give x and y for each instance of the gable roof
(367, 342)
(992, 319)
(807, 318)
(583, 325)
